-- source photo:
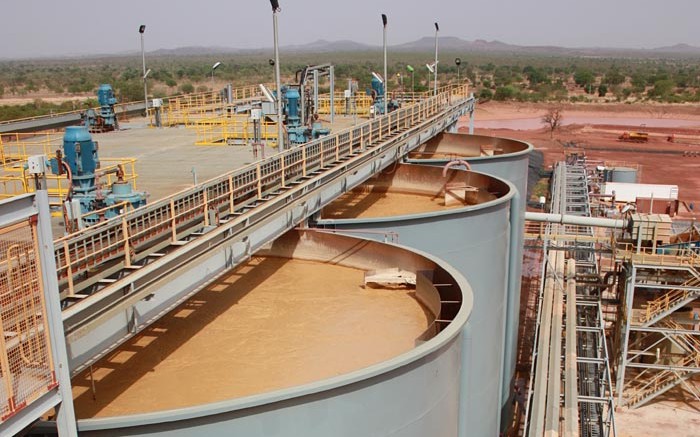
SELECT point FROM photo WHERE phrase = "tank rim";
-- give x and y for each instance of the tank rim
(445, 337)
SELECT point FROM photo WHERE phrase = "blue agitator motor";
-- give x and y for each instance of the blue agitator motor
(104, 118)
(298, 132)
(80, 161)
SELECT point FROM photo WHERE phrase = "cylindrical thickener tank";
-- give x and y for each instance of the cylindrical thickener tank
(414, 394)
(507, 159)
(473, 238)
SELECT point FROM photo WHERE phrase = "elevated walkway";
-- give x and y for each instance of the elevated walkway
(118, 277)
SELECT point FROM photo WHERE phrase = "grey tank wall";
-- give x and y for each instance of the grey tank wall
(475, 241)
(512, 166)
(415, 394)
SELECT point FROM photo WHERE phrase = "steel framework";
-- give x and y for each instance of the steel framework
(567, 304)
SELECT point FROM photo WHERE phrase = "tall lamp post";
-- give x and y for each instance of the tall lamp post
(142, 30)
(214, 67)
(280, 130)
(458, 62)
(435, 66)
(386, 77)
(410, 70)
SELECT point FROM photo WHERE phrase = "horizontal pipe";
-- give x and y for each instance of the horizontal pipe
(566, 219)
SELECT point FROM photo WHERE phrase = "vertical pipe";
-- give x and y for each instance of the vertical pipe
(471, 115)
(626, 319)
(437, 29)
(386, 78)
(332, 74)
(280, 130)
(316, 90)
(145, 84)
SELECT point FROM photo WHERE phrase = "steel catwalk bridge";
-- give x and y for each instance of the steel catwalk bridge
(570, 383)
(120, 276)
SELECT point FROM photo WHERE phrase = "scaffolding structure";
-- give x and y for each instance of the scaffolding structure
(658, 340)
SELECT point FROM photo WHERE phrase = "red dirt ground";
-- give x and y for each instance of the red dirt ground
(661, 162)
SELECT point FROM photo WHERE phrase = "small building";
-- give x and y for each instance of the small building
(627, 192)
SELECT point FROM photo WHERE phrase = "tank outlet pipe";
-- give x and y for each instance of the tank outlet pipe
(455, 162)
(565, 219)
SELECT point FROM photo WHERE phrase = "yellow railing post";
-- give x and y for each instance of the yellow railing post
(230, 194)
(69, 268)
(127, 252)
(173, 220)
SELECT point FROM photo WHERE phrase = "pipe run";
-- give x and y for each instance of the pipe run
(566, 219)
(461, 162)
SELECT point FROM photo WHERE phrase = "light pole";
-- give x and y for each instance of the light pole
(458, 62)
(410, 70)
(214, 67)
(435, 66)
(142, 30)
(280, 130)
(386, 78)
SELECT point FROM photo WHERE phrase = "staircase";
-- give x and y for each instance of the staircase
(661, 382)
(669, 302)
(667, 379)
(688, 342)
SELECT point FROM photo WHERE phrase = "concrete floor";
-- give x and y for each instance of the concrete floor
(167, 159)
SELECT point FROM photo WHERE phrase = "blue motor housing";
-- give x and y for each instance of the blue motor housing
(105, 95)
(80, 154)
(291, 97)
(103, 118)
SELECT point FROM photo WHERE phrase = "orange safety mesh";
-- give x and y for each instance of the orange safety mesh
(26, 366)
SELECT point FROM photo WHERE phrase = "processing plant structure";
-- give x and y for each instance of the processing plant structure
(361, 282)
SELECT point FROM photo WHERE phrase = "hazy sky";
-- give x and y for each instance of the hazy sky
(64, 27)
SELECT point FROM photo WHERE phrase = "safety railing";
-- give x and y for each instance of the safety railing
(58, 186)
(15, 148)
(119, 240)
(670, 300)
(660, 380)
(26, 363)
(657, 256)
(189, 109)
(690, 343)
(359, 105)
(233, 129)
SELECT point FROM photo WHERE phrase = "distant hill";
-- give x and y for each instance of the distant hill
(446, 44)
(426, 44)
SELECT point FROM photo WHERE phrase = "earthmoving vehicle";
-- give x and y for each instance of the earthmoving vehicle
(634, 137)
